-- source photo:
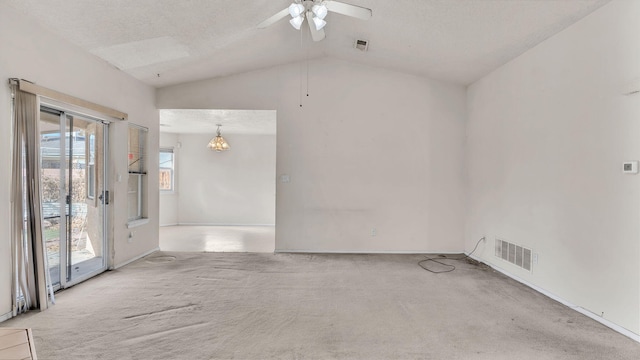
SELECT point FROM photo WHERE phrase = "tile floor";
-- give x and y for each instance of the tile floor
(259, 239)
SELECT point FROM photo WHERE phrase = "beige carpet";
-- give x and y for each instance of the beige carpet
(265, 306)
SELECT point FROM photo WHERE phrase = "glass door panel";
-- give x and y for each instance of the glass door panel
(52, 175)
(85, 226)
(73, 179)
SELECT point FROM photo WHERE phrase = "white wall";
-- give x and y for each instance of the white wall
(27, 51)
(236, 187)
(547, 136)
(168, 207)
(369, 149)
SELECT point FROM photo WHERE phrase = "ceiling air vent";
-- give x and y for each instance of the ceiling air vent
(361, 45)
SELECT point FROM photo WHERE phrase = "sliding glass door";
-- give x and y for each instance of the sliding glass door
(73, 178)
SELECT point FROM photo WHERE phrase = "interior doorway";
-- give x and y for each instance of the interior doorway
(226, 198)
(73, 151)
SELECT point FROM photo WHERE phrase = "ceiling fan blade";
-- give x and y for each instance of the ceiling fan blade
(275, 18)
(348, 9)
(316, 35)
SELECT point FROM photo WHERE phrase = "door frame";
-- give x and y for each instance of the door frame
(67, 114)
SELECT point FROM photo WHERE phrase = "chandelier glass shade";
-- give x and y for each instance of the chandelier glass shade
(319, 23)
(296, 22)
(218, 143)
(296, 10)
(320, 11)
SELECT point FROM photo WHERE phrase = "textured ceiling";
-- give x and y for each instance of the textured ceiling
(453, 40)
(247, 122)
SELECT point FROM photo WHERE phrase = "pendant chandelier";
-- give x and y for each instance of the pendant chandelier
(218, 143)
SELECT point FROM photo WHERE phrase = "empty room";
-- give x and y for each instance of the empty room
(437, 179)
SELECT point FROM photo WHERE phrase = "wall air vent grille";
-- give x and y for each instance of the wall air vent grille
(361, 45)
(515, 254)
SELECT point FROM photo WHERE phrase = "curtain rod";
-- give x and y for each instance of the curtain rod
(32, 88)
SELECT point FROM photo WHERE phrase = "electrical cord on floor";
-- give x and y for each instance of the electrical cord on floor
(449, 266)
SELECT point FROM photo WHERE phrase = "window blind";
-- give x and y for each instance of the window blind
(137, 150)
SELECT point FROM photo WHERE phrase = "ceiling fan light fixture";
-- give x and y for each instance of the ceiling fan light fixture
(315, 12)
(320, 11)
(319, 23)
(296, 10)
(296, 22)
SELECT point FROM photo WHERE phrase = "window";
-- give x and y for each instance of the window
(166, 170)
(137, 172)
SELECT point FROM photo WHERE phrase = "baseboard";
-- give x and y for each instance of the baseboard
(174, 224)
(626, 332)
(6, 316)
(136, 258)
(217, 224)
(364, 252)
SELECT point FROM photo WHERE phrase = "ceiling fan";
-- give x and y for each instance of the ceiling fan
(315, 11)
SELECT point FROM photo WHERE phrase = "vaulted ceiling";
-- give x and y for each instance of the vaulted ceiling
(164, 42)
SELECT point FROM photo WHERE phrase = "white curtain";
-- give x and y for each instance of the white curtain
(29, 257)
